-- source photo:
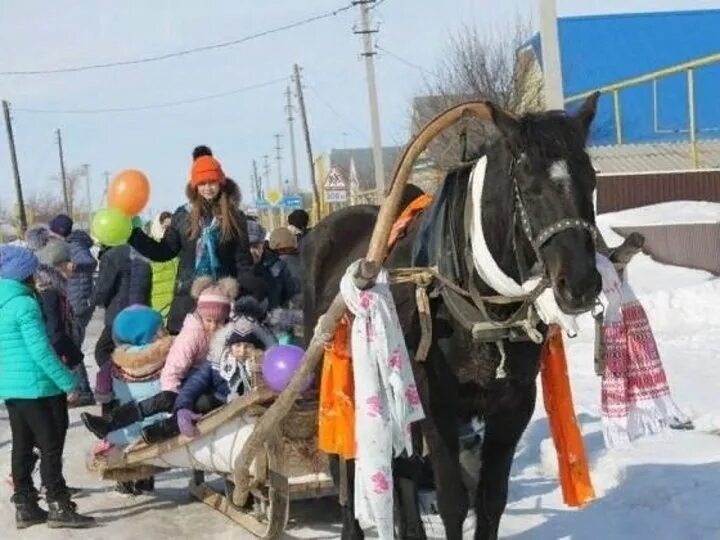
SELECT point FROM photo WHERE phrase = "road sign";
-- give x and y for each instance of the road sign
(274, 197)
(262, 204)
(292, 202)
(335, 180)
(335, 195)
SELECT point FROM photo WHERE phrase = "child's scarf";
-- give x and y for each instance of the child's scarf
(386, 398)
(235, 373)
(636, 397)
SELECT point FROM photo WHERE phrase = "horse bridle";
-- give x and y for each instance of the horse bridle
(546, 233)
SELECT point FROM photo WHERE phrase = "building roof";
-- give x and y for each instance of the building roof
(637, 158)
(364, 167)
(600, 50)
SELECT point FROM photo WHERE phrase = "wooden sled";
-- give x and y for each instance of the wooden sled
(288, 466)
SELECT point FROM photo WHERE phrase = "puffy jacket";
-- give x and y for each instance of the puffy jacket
(80, 285)
(124, 279)
(113, 284)
(140, 280)
(206, 379)
(281, 284)
(294, 266)
(51, 287)
(163, 286)
(233, 256)
(29, 368)
(188, 351)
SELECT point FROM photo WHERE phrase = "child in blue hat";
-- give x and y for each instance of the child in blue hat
(141, 347)
(35, 386)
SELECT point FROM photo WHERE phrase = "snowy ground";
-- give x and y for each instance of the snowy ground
(664, 487)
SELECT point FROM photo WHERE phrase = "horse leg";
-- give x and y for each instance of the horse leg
(350, 527)
(503, 429)
(406, 476)
(452, 499)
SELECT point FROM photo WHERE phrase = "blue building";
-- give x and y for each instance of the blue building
(601, 50)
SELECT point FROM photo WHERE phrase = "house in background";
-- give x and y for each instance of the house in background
(597, 51)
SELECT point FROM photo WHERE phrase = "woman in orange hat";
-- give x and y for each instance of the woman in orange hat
(208, 235)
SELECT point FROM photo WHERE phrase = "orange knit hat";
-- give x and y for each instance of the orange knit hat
(206, 169)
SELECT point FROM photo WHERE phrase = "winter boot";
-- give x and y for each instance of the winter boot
(124, 415)
(63, 514)
(106, 409)
(27, 512)
(160, 431)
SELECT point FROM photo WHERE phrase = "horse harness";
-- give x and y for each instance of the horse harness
(466, 304)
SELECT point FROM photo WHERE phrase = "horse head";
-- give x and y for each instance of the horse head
(553, 182)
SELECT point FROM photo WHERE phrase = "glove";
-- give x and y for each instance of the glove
(137, 222)
(186, 422)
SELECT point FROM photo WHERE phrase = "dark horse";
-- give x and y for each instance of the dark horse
(538, 218)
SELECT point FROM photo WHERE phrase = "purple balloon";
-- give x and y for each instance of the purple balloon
(280, 364)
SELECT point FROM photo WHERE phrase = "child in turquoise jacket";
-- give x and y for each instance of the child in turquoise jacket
(34, 384)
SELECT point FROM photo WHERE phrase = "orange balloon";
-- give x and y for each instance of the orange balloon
(129, 192)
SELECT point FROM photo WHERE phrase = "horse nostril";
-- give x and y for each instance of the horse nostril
(561, 283)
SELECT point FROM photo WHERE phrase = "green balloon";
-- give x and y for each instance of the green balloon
(111, 227)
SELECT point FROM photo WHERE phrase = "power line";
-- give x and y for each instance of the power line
(333, 110)
(404, 60)
(184, 52)
(377, 4)
(154, 105)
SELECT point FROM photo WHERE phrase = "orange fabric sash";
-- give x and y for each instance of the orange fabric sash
(575, 481)
(336, 423)
(336, 429)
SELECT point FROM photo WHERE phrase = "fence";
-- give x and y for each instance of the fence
(694, 245)
(622, 191)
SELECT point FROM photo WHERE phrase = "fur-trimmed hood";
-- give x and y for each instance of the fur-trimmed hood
(49, 277)
(144, 361)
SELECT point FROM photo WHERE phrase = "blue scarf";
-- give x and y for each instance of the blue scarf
(206, 260)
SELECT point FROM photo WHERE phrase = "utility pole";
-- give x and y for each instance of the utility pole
(266, 169)
(86, 174)
(63, 176)
(16, 172)
(267, 184)
(308, 146)
(278, 157)
(291, 130)
(369, 54)
(106, 174)
(552, 70)
(259, 195)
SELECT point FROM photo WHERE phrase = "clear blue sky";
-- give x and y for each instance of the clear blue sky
(39, 34)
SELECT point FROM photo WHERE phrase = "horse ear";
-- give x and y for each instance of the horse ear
(586, 113)
(507, 124)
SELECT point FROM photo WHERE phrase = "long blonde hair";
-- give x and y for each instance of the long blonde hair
(224, 208)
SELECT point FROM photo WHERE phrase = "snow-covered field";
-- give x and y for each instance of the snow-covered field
(664, 487)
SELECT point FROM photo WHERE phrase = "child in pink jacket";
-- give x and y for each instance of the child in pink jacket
(189, 350)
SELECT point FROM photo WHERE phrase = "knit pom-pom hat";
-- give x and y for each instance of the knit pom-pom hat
(136, 325)
(214, 299)
(206, 169)
(17, 263)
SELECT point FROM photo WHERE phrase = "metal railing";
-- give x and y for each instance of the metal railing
(688, 68)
